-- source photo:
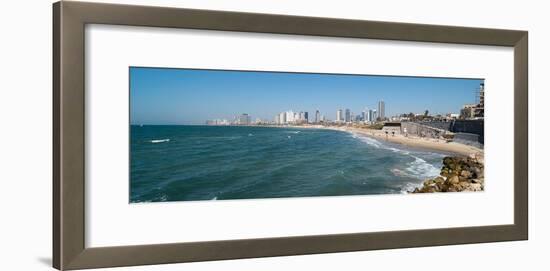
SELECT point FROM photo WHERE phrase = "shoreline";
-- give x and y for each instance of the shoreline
(410, 141)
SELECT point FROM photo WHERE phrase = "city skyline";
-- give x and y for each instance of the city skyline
(186, 96)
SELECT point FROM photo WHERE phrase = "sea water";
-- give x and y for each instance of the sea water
(188, 163)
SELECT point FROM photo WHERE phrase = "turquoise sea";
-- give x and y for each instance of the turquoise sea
(188, 163)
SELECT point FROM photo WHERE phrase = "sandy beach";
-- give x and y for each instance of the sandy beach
(410, 141)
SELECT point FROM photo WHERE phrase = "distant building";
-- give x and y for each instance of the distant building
(369, 116)
(306, 117)
(480, 110)
(339, 115)
(244, 119)
(392, 128)
(381, 110)
(317, 116)
(475, 111)
(452, 116)
(290, 116)
(347, 116)
(468, 111)
(218, 122)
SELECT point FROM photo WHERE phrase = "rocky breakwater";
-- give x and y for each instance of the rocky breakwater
(457, 174)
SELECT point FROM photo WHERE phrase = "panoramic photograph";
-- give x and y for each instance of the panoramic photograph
(198, 134)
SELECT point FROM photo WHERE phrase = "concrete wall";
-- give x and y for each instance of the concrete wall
(413, 128)
(469, 132)
(445, 125)
(470, 127)
(468, 139)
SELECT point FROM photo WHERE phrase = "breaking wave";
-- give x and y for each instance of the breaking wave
(160, 140)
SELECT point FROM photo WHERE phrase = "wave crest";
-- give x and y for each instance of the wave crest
(160, 140)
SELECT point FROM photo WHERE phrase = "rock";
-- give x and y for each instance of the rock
(457, 174)
(478, 172)
(439, 179)
(442, 187)
(463, 185)
(465, 174)
(453, 180)
(474, 187)
(476, 181)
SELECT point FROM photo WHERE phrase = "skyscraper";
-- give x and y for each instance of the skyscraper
(339, 115)
(348, 116)
(370, 115)
(289, 116)
(282, 118)
(244, 119)
(317, 116)
(381, 110)
(306, 117)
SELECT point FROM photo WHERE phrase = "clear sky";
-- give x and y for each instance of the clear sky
(186, 96)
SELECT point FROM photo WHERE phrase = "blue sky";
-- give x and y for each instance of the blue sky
(186, 96)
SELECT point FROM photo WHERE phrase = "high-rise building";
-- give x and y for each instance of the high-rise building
(339, 115)
(282, 118)
(374, 115)
(317, 116)
(244, 119)
(381, 110)
(290, 116)
(480, 110)
(306, 117)
(347, 116)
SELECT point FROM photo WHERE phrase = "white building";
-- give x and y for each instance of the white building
(317, 116)
(289, 116)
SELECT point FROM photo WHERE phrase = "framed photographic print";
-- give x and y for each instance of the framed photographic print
(190, 135)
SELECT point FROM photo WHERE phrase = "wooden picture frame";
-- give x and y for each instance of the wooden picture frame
(69, 20)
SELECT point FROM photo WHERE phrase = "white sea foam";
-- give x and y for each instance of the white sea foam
(419, 168)
(370, 141)
(160, 140)
(409, 187)
(214, 198)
